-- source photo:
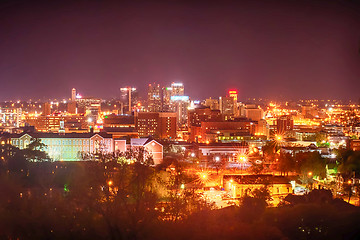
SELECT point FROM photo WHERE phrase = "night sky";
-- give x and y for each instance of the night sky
(293, 49)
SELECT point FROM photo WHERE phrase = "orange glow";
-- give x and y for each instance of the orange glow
(242, 158)
(233, 94)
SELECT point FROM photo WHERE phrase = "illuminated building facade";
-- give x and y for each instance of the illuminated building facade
(73, 95)
(239, 185)
(66, 147)
(227, 106)
(47, 109)
(72, 123)
(166, 100)
(154, 98)
(157, 124)
(254, 113)
(120, 125)
(128, 98)
(10, 117)
(177, 89)
(213, 104)
(181, 104)
(233, 94)
(284, 124)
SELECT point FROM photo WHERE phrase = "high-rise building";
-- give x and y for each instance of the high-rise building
(91, 107)
(71, 107)
(46, 109)
(284, 124)
(128, 98)
(73, 94)
(181, 104)
(166, 100)
(154, 98)
(254, 113)
(177, 89)
(233, 94)
(203, 114)
(213, 104)
(227, 106)
(157, 124)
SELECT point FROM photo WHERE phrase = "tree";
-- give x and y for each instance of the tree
(285, 163)
(349, 162)
(254, 203)
(311, 163)
(35, 151)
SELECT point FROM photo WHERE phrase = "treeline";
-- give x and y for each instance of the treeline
(109, 198)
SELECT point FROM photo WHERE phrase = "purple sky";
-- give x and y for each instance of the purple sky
(294, 49)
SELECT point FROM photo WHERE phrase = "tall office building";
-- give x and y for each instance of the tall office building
(157, 124)
(233, 94)
(284, 124)
(73, 94)
(154, 98)
(177, 89)
(213, 104)
(128, 98)
(46, 109)
(71, 107)
(166, 100)
(180, 105)
(254, 113)
(227, 106)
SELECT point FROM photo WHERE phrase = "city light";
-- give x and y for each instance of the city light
(234, 137)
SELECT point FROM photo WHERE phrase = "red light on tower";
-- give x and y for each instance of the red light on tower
(233, 94)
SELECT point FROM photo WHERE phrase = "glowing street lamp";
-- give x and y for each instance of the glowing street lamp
(278, 137)
(242, 158)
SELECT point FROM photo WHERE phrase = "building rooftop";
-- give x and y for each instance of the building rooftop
(63, 135)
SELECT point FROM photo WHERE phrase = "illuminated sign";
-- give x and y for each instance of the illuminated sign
(179, 98)
(233, 94)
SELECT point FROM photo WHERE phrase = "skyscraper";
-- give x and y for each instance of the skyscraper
(166, 99)
(177, 89)
(233, 94)
(227, 105)
(128, 97)
(154, 98)
(73, 94)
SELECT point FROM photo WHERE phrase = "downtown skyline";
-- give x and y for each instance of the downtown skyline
(274, 50)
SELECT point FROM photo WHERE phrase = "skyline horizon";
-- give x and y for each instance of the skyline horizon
(264, 49)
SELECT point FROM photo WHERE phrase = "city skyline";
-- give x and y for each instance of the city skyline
(273, 50)
(233, 119)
